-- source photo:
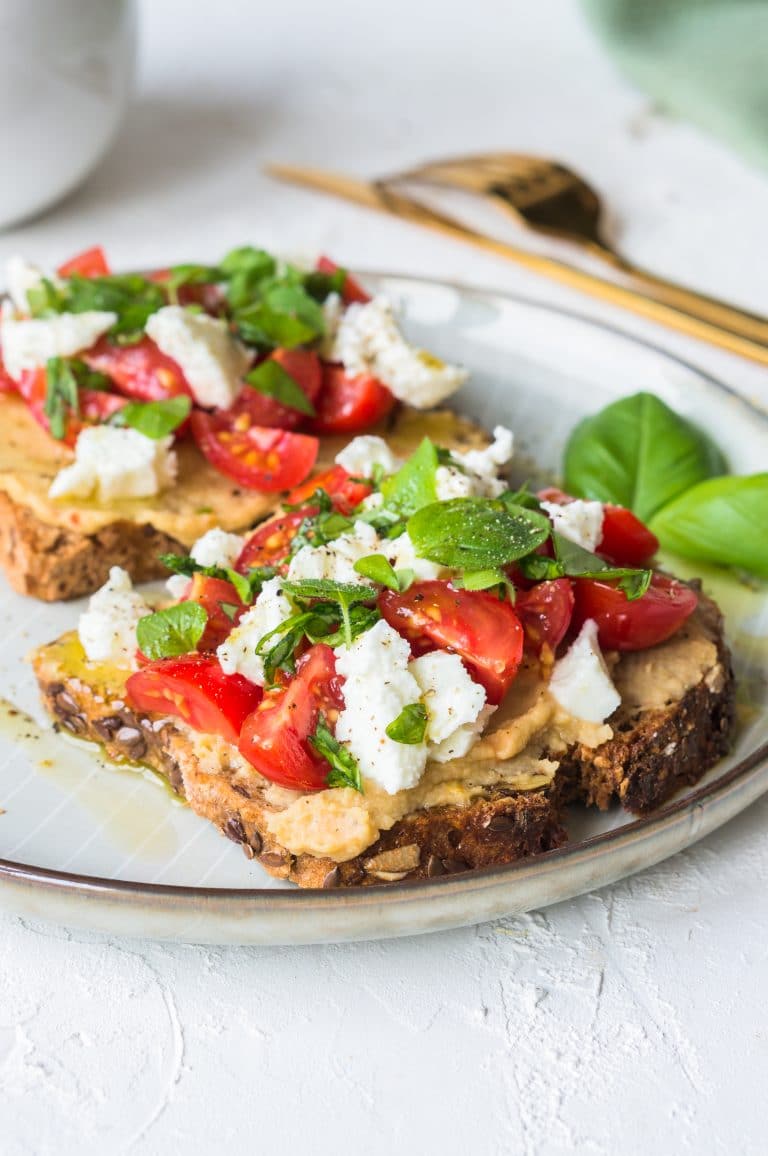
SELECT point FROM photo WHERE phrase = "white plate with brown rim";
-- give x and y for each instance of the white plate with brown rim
(87, 843)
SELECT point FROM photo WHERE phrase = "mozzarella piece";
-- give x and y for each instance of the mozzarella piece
(401, 554)
(580, 680)
(378, 685)
(107, 629)
(336, 559)
(20, 277)
(112, 463)
(369, 341)
(237, 654)
(28, 344)
(579, 522)
(217, 548)
(210, 358)
(363, 454)
(454, 703)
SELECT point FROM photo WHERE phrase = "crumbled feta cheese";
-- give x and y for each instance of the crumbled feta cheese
(474, 474)
(369, 341)
(401, 554)
(237, 654)
(579, 522)
(460, 742)
(217, 548)
(211, 359)
(378, 685)
(490, 460)
(580, 680)
(28, 344)
(336, 559)
(20, 277)
(113, 463)
(453, 700)
(177, 586)
(107, 629)
(361, 456)
(450, 483)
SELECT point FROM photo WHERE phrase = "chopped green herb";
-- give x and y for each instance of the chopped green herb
(154, 419)
(344, 771)
(413, 486)
(486, 580)
(272, 380)
(173, 631)
(475, 534)
(410, 726)
(61, 395)
(248, 585)
(573, 561)
(378, 569)
(230, 609)
(345, 594)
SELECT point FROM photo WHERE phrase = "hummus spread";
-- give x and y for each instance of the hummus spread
(201, 499)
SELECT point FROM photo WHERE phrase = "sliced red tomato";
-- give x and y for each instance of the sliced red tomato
(7, 384)
(90, 263)
(484, 631)
(270, 543)
(96, 406)
(221, 603)
(349, 404)
(346, 492)
(253, 456)
(352, 290)
(275, 737)
(626, 541)
(635, 625)
(545, 612)
(196, 689)
(139, 371)
(304, 367)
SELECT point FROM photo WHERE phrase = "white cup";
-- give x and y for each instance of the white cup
(66, 71)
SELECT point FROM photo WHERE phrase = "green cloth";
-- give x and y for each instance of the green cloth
(703, 60)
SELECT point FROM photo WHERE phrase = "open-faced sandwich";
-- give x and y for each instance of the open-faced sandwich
(139, 412)
(407, 671)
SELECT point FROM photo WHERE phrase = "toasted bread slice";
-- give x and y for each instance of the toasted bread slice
(56, 550)
(654, 749)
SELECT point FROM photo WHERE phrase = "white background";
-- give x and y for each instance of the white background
(630, 1021)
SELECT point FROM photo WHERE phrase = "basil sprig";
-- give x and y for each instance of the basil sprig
(410, 726)
(64, 378)
(273, 381)
(173, 631)
(638, 453)
(344, 594)
(476, 534)
(154, 419)
(130, 295)
(344, 771)
(573, 561)
(248, 585)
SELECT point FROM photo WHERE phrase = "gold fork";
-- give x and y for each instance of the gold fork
(681, 309)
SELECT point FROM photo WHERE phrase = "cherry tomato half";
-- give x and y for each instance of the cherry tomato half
(484, 631)
(303, 365)
(352, 290)
(345, 491)
(253, 456)
(349, 404)
(274, 737)
(545, 612)
(95, 406)
(270, 543)
(196, 689)
(90, 263)
(221, 603)
(7, 384)
(635, 625)
(626, 541)
(139, 371)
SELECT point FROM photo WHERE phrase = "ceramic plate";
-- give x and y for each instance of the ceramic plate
(86, 843)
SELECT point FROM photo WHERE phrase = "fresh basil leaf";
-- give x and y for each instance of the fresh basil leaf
(173, 631)
(413, 486)
(181, 275)
(132, 297)
(576, 562)
(230, 609)
(247, 259)
(724, 520)
(344, 771)
(44, 299)
(61, 395)
(486, 580)
(472, 534)
(638, 453)
(266, 328)
(410, 726)
(272, 380)
(321, 285)
(327, 588)
(154, 419)
(378, 569)
(405, 578)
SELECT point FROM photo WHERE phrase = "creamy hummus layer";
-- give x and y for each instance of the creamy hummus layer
(201, 499)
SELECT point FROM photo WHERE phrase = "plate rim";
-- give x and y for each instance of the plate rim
(752, 768)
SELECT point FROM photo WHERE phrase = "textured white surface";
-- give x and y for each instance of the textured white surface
(628, 1021)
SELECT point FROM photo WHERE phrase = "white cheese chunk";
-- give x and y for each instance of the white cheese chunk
(20, 277)
(217, 548)
(177, 586)
(489, 460)
(475, 473)
(107, 629)
(579, 522)
(369, 341)
(580, 680)
(453, 700)
(28, 344)
(237, 654)
(336, 560)
(401, 554)
(112, 463)
(378, 685)
(363, 454)
(210, 358)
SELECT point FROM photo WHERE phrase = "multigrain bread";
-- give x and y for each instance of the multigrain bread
(653, 752)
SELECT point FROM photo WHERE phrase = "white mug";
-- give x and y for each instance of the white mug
(66, 71)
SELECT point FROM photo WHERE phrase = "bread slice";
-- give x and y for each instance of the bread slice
(654, 750)
(55, 550)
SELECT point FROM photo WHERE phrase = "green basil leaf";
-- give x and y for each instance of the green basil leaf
(173, 631)
(44, 299)
(154, 419)
(638, 453)
(413, 486)
(265, 327)
(272, 380)
(724, 520)
(321, 285)
(410, 726)
(247, 259)
(485, 580)
(132, 297)
(61, 395)
(344, 771)
(576, 562)
(472, 534)
(378, 569)
(230, 609)
(327, 588)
